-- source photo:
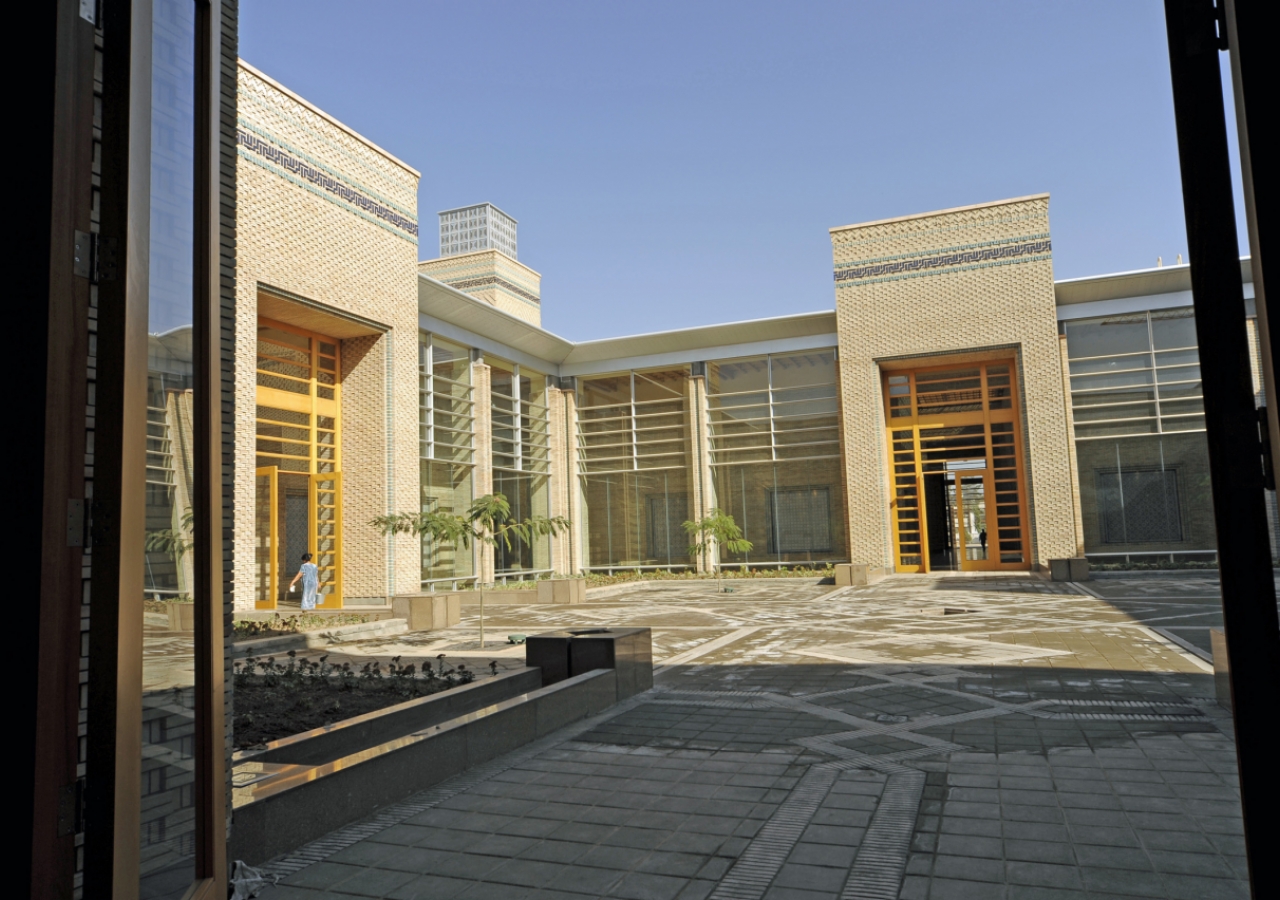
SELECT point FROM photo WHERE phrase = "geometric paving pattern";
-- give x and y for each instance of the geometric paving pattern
(804, 742)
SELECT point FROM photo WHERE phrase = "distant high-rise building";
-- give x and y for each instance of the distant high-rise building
(481, 227)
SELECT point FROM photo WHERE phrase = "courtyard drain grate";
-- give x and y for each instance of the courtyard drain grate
(882, 858)
(759, 864)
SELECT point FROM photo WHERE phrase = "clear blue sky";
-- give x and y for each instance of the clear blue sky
(679, 163)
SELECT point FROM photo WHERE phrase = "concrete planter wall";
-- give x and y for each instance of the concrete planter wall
(562, 590)
(318, 640)
(280, 806)
(182, 616)
(428, 612)
(358, 733)
(551, 590)
(857, 575)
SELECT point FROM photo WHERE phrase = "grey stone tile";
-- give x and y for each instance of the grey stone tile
(1050, 814)
(1192, 887)
(683, 865)
(1035, 831)
(1044, 875)
(1101, 856)
(914, 888)
(969, 868)
(525, 872)
(948, 889)
(430, 887)
(984, 827)
(1183, 863)
(505, 845)
(1121, 881)
(531, 827)
(778, 892)
(811, 878)
(620, 859)
(970, 846)
(1039, 892)
(1039, 851)
(404, 833)
(364, 853)
(555, 851)
(413, 859)
(696, 890)
(323, 875)
(490, 891)
(288, 892)
(809, 854)
(647, 886)
(584, 880)
(832, 834)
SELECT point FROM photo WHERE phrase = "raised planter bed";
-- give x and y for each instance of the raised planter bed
(280, 804)
(348, 736)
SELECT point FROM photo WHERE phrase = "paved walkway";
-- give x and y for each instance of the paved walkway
(920, 738)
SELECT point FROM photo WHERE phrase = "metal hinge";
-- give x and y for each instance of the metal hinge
(75, 523)
(86, 244)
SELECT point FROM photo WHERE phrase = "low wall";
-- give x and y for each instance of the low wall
(281, 806)
(323, 745)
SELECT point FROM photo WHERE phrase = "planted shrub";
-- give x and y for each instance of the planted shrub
(277, 698)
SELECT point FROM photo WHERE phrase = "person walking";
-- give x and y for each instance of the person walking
(310, 576)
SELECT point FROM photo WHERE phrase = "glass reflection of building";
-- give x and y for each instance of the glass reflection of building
(168, 815)
(446, 452)
(521, 462)
(1139, 426)
(775, 456)
(634, 464)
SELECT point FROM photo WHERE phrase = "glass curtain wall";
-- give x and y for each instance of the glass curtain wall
(1140, 445)
(520, 461)
(634, 463)
(775, 457)
(446, 451)
(167, 858)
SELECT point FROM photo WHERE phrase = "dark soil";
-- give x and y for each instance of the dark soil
(267, 712)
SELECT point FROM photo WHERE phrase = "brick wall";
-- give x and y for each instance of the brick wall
(494, 277)
(327, 216)
(942, 282)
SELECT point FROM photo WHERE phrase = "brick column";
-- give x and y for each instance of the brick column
(698, 457)
(575, 550)
(482, 474)
(558, 475)
(1071, 447)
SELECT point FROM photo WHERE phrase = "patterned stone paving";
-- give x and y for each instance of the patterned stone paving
(923, 738)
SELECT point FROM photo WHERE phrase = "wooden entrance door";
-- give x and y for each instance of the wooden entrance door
(959, 501)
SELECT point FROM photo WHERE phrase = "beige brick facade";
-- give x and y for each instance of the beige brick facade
(561, 476)
(328, 232)
(494, 277)
(945, 283)
(482, 473)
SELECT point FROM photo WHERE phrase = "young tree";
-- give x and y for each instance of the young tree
(716, 530)
(487, 520)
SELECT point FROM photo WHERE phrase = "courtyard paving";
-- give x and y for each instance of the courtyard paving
(923, 738)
